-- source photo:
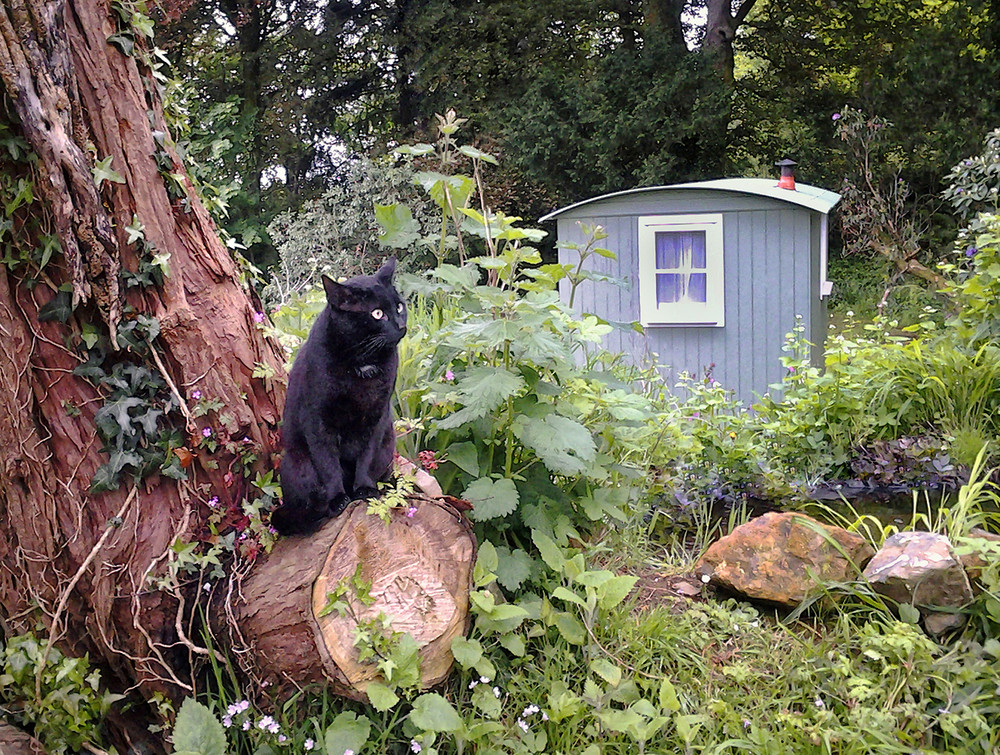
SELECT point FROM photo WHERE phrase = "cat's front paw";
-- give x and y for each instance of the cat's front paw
(339, 503)
(364, 493)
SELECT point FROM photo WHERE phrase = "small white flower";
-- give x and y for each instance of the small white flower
(309, 744)
(484, 679)
(207, 587)
(265, 722)
(818, 702)
(227, 721)
(415, 746)
(246, 725)
(545, 716)
(496, 692)
(473, 684)
(705, 579)
(523, 725)
(274, 728)
(348, 751)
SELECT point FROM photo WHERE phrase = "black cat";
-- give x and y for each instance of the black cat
(337, 426)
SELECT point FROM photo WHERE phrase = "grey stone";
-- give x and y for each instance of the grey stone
(920, 568)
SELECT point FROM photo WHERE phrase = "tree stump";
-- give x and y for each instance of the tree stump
(419, 566)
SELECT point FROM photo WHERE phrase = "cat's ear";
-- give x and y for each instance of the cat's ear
(384, 274)
(337, 295)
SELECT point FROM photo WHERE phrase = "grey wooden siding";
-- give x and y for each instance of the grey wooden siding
(772, 272)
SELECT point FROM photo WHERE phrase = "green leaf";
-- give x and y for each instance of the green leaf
(668, 696)
(60, 308)
(550, 552)
(513, 644)
(476, 154)
(491, 498)
(513, 568)
(431, 712)
(564, 445)
(482, 390)
(465, 456)
(909, 613)
(563, 593)
(614, 591)
(486, 701)
(486, 564)
(467, 652)
(399, 229)
(608, 671)
(102, 171)
(347, 732)
(416, 150)
(381, 697)
(198, 731)
(570, 627)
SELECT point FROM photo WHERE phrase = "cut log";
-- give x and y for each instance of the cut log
(419, 566)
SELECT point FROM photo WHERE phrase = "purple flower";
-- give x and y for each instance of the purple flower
(308, 744)
(415, 746)
(971, 251)
(258, 317)
(213, 502)
(411, 511)
(449, 376)
(959, 190)
(206, 432)
(835, 116)
(196, 394)
(791, 370)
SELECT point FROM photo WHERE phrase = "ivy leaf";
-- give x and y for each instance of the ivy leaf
(564, 445)
(60, 307)
(431, 712)
(117, 410)
(491, 498)
(103, 171)
(482, 390)
(347, 732)
(124, 42)
(198, 731)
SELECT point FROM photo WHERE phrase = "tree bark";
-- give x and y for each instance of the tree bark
(720, 34)
(419, 566)
(79, 99)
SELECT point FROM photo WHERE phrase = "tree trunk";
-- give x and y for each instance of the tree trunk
(720, 33)
(418, 566)
(76, 561)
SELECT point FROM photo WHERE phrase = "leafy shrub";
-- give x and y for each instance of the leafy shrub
(70, 707)
(337, 234)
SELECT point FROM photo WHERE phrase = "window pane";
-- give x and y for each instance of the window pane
(668, 253)
(697, 287)
(680, 250)
(677, 287)
(669, 288)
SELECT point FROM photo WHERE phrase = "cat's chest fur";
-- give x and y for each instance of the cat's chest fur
(337, 424)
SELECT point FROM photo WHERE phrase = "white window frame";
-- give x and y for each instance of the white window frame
(710, 314)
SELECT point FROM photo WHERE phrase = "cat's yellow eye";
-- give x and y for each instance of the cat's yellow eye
(399, 308)
(378, 314)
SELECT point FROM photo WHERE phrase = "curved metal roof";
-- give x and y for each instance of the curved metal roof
(811, 197)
